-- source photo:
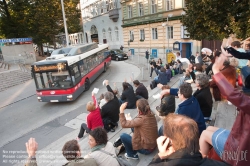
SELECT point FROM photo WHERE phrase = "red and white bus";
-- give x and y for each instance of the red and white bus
(64, 76)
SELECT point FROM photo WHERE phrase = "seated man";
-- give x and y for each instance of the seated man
(71, 151)
(141, 91)
(189, 105)
(110, 112)
(180, 144)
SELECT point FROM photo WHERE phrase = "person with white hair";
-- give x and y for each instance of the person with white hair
(208, 54)
(206, 51)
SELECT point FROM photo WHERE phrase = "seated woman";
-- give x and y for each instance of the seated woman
(191, 71)
(110, 112)
(185, 78)
(203, 95)
(167, 105)
(168, 72)
(128, 95)
(144, 127)
(162, 77)
(94, 118)
(100, 147)
(179, 67)
(159, 64)
(198, 69)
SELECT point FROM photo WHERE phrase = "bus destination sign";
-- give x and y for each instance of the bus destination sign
(59, 67)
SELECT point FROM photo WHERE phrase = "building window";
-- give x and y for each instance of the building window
(153, 6)
(184, 32)
(184, 4)
(129, 11)
(110, 34)
(142, 34)
(170, 32)
(131, 35)
(86, 35)
(116, 34)
(154, 33)
(141, 12)
(107, 6)
(169, 5)
(104, 34)
(101, 6)
(115, 4)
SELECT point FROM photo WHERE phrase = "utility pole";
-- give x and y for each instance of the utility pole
(65, 25)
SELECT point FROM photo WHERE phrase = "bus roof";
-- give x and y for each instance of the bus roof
(59, 58)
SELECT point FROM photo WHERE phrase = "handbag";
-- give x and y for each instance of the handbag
(120, 160)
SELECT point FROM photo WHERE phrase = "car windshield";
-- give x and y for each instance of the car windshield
(118, 51)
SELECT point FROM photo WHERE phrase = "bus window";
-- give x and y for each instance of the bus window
(83, 68)
(53, 80)
(76, 77)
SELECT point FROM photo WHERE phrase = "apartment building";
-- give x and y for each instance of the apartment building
(102, 20)
(155, 25)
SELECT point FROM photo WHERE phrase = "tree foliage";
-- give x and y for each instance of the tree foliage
(39, 19)
(217, 19)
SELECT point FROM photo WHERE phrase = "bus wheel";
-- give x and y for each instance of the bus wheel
(105, 68)
(87, 85)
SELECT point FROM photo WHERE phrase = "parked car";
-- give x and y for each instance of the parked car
(117, 54)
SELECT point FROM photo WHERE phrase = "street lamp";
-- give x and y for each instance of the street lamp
(65, 25)
(166, 24)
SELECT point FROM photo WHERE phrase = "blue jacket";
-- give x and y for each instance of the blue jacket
(168, 72)
(162, 77)
(190, 108)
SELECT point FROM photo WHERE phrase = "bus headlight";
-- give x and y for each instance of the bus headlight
(39, 98)
(69, 96)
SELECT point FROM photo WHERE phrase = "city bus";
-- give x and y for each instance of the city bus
(63, 77)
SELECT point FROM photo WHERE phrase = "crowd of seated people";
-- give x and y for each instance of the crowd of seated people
(183, 139)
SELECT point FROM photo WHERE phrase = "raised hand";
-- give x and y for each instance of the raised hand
(123, 107)
(164, 146)
(218, 64)
(31, 147)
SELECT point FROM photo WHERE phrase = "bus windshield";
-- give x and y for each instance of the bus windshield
(53, 80)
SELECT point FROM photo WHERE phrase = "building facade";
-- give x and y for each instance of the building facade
(155, 25)
(102, 22)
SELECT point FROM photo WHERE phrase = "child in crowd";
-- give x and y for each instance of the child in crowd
(94, 118)
(102, 101)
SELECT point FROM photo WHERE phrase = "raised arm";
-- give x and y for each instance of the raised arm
(94, 100)
(128, 123)
(233, 95)
(237, 54)
(31, 148)
(174, 91)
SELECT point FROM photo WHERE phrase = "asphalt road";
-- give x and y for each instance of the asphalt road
(22, 116)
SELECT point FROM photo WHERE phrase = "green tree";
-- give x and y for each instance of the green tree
(213, 19)
(39, 19)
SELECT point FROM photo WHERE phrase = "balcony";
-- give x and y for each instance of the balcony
(114, 14)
